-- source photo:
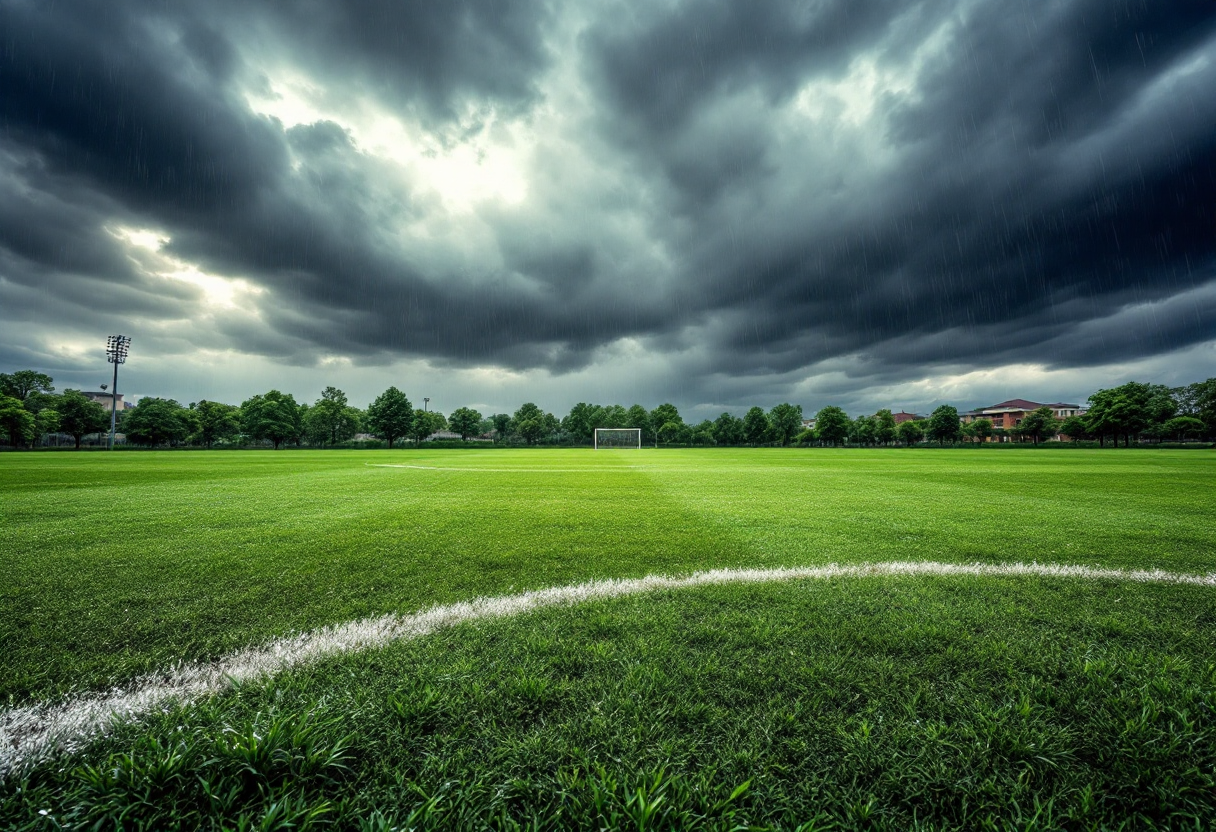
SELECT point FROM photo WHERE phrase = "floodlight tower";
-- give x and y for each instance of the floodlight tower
(117, 347)
(426, 402)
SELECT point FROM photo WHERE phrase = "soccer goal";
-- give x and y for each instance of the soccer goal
(608, 438)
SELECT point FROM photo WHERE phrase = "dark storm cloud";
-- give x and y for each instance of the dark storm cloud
(1021, 177)
(997, 214)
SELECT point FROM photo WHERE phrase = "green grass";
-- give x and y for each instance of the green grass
(855, 704)
(1072, 702)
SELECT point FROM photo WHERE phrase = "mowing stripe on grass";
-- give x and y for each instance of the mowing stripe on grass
(581, 470)
(32, 733)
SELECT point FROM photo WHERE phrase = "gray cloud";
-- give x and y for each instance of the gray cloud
(755, 195)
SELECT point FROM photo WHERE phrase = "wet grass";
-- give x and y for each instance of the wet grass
(859, 703)
(115, 565)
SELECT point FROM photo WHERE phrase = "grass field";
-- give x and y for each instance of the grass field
(860, 702)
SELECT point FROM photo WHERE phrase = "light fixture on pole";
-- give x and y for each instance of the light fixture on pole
(426, 403)
(117, 347)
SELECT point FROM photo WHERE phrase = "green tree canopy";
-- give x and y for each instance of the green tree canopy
(1198, 400)
(911, 432)
(1183, 427)
(502, 425)
(728, 429)
(981, 429)
(756, 426)
(531, 428)
(1127, 410)
(884, 427)
(862, 431)
(79, 416)
(47, 421)
(156, 421)
(24, 383)
(580, 423)
(331, 420)
(664, 414)
(272, 416)
(786, 421)
(1040, 424)
(831, 425)
(216, 421)
(465, 421)
(390, 416)
(638, 417)
(426, 422)
(944, 425)
(17, 423)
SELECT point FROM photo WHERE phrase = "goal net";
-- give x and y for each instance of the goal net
(608, 438)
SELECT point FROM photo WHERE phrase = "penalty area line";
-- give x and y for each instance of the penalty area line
(32, 733)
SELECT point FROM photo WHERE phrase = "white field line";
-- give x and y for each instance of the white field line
(33, 733)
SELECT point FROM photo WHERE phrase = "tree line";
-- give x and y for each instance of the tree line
(30, 409)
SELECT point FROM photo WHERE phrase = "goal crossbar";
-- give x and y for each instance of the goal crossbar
(629, 438)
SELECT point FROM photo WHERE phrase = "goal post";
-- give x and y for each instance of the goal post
(609, 438)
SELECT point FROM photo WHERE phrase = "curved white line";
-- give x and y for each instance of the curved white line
(34, 732)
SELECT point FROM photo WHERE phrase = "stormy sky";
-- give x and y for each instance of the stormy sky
(713, 203)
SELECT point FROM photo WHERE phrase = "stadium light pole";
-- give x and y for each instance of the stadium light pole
(117, 347)
(426, 403)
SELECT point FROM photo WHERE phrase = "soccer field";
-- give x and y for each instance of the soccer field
(853, 698)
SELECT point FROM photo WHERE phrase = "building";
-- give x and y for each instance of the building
(808, 424)
(1009, 415)
(903, 416)
(105, 399)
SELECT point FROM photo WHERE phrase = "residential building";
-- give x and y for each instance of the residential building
(903, 416)
(1009, 414)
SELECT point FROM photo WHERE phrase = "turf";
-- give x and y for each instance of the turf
(118, 564)
(871, 703)
(880, 702)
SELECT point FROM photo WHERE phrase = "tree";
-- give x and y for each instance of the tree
(1128, 409)
(786, 421)
(728, 429)
(638, 417)
(671, 432)
(16, 421)
(390, 415)
(884, 427)
(662, 415)
(1198, 400)
(156, 421)
(216, 421)
(1074, 427)
(1180, 427)
(911, 432)
(981, 429)
(944, 425)
(46, 421)
(465, 421)
(831, 425)
(1040, 424)
(79, 416)
(331, 420)
(502, 425)
(425, 423)
(703, 434)
(581, 422)
(24, 383)
(531, 428)
(756, 426)
(272, 416)
(861, 431)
